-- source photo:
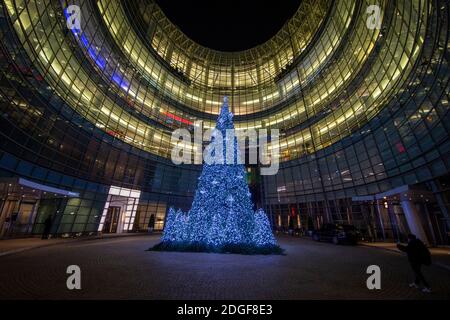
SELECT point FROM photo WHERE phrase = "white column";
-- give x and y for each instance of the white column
(414, 221)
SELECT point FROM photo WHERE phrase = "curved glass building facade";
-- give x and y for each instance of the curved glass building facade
(87, 115)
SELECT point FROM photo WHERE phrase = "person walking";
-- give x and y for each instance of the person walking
(418, 255)
(47, 227)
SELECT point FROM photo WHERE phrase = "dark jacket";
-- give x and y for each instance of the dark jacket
(48, 223)
(417, 252)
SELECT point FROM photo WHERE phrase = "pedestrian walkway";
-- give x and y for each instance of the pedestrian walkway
(440, 255)
(11, 246)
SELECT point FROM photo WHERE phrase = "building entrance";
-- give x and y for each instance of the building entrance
(111, 220)
(120, 209)
(24, 205)
(401, 211)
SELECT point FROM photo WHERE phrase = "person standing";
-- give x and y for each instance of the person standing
(418, 255)
(151, 223)
(47, 227)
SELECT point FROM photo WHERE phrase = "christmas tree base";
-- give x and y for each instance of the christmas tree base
(247, 249)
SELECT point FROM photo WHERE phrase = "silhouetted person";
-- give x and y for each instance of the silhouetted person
(291, 226)
(151, 223)
(47, 227)
(418, 255)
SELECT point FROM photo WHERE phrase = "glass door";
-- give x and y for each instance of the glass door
(23, 222)
(111, 220)
(7, 217)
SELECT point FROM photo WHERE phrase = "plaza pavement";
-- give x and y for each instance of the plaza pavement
(121, 268)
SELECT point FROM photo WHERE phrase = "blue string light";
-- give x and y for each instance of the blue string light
(222, 211)
(97, 57)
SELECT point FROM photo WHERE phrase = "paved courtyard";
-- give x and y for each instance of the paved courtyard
(120, 268)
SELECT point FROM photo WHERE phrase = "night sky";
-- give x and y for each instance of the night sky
(230, 25)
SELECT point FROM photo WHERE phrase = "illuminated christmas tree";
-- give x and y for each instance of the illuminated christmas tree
(179, 227)
(169, 233)
(262, 233)
(222, 218)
